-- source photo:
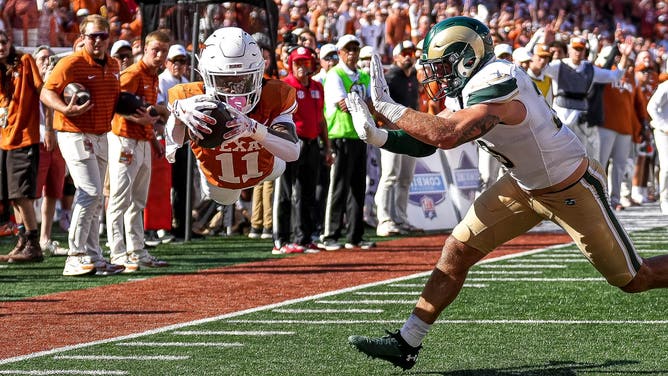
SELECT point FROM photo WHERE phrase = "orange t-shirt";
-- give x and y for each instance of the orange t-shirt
(102, 82)
(138, 80)
(618, 106)
(241, 163)
(93, 6)
(22, 127)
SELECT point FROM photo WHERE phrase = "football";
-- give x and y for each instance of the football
(128, 103)
(215, 138)
(75, 89)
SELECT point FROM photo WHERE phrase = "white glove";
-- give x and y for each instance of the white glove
(363, 122)
(243, 126)
(380, 93)
(188, 111)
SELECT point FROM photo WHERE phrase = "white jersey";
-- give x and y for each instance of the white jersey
(539, 152)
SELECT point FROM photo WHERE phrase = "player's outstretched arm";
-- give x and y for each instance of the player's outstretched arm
(446, 130)
(396, 141)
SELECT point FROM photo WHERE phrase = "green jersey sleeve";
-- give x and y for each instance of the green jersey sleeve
(400, 142)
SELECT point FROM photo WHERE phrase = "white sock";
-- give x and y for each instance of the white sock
(414, 330)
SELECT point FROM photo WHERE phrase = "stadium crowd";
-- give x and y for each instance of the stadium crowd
(612, 97)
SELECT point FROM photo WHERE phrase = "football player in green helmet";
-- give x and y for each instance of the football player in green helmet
(454, 50)
(549, 175)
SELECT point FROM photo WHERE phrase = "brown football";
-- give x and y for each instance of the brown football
(78, 90)
(215, 138)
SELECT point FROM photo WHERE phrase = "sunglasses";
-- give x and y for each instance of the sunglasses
(407, 53)
(303, 63)
(179, 61)
(96, 36)
(331, 58)
(124, 56)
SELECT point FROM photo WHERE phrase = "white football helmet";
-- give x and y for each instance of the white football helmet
(232, 67)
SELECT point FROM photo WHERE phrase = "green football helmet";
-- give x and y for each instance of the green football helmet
(454, 50)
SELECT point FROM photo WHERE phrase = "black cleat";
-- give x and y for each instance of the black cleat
(392, 348)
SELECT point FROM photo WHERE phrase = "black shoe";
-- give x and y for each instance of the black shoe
(151, 239)
(392, 348)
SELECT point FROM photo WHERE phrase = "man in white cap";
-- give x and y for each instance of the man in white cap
(158, 212)
(175, 71)
(176, 67)
(348, 175)
(522, 57)
(329, 57)
(503, 51)
(364, 61)
(121, 51)
(397, 169)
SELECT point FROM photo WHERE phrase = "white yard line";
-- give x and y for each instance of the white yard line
(525, 266)
(327, 310)
(230, 333)
(60, 372)
(485, 322)
(122, 357)
(180, 344)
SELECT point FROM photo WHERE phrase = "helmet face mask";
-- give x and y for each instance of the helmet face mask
(232, 67)
(454, 50)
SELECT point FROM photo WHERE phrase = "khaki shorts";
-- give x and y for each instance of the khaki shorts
(505, 211)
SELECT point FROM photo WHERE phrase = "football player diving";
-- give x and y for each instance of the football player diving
(549, 176)
(259, 139)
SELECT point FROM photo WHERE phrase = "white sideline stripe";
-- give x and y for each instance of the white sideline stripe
(229, 333)
(557, 255)
(518, 272)
(376, 293)
(181, 344)
(367, 301)
(173, 327)
(486, 322)
(421, 285)
(60, 372)
(121, 357)
(352, 310)
(594, 279)
(524, 266)
(539, 260)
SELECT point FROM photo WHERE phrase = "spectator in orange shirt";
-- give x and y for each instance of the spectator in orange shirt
(23, 21)
(91, 6)
(131, 141)
(82, 137)
(20, 84)
(396, 27)
(620, 128)
(50, 25)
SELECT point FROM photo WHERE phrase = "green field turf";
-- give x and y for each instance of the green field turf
(545, 313)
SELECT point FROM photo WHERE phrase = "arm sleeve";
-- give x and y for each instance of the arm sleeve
(400, 142)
